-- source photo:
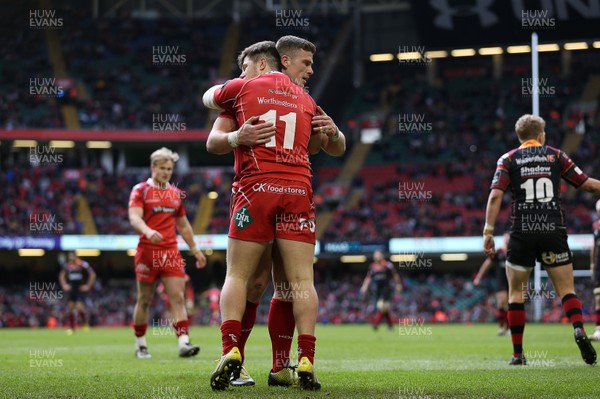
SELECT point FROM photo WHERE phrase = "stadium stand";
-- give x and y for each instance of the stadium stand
(340, 302)
(114, 83)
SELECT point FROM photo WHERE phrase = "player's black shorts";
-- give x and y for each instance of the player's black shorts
(596, 272)
(382, 293)
(501, 278)
(551, 249)
(75, 295)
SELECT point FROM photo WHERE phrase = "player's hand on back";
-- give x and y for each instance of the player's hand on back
(84, 288)
(154, 236)
(67, 287)
(322, 123)
(253, 133)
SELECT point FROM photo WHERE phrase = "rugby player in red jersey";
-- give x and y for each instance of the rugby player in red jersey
(274, 182)
(156, 208)
(72, 276)
(296, 57)
(213, 295)
(534, 172)
(189, 297)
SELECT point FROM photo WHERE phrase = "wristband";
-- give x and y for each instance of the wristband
(488, 230)
(232, 139)
(336, 136)
(194, 249)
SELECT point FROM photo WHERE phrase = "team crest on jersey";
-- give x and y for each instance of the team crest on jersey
(141, 268)
(242, 218)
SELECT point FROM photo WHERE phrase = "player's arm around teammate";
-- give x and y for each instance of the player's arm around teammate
(225, 135)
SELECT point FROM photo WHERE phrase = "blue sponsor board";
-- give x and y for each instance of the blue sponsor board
(8, 243)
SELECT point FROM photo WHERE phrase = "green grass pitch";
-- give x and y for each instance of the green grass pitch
(433, 361)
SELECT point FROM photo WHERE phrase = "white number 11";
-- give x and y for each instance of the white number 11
(290, 128)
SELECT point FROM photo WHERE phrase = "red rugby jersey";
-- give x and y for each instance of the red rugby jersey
(161, 207)
(273, 97)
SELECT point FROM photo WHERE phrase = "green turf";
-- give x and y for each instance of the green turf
(435, 361)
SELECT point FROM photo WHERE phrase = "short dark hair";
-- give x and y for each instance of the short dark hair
(289, 45)
(265, 49)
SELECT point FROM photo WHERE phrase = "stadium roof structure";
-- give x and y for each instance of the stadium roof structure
(237, 8)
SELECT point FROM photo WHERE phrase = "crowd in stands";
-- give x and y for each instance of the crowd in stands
(42, 200)
(133, 69)
(122, 70)
(38, 201)
(431, 180)
(432, 177)
(424, 295)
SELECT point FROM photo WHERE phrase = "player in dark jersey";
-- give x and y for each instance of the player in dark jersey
(534, 172)
(497, 262)
(595, 266)
(76, 278)
(380, 275)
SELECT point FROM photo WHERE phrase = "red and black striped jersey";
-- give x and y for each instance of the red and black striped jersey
(534, 172)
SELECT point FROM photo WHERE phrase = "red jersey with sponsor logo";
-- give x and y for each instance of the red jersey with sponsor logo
(161, 207)
(274, 98)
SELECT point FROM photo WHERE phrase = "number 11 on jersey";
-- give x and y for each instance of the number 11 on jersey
(290, 128)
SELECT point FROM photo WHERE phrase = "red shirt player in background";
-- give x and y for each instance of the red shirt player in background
(189, 298)
(155, 209)
(213, 295)
(71, 279)
(274, 187)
